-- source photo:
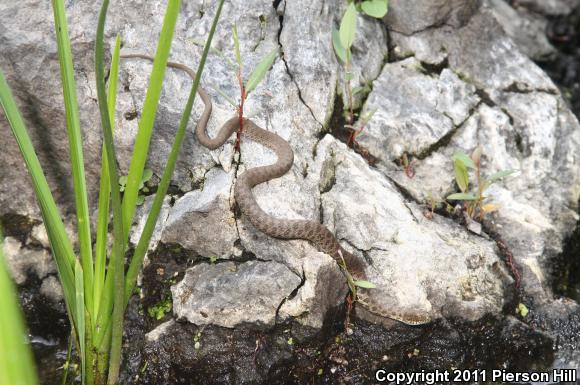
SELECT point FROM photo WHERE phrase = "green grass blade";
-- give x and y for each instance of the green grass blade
(60, 244)
(105, 189)
(237, 47)
(75, 146)
(145, 238)
(117, 259)
(80, 316)
(147, 120)
(16, 360)
(261, 70)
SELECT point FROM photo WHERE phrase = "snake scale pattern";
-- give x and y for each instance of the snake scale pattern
(309, 230)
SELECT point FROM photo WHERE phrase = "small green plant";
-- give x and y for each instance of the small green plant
(342, 40)
(197, 341)
(160, 309)
(475, 202)
(522, 310)
(143, 189)
(353, 284)
(248, 85)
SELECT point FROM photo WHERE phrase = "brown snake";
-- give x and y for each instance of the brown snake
(309, 230)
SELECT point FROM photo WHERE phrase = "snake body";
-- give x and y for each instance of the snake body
(309, 230)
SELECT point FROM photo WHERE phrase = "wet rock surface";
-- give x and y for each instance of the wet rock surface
(261, 310)
(280, 356)
(228, 295)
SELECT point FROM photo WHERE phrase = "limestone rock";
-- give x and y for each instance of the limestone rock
(228, 295)
(525, 28)
(411, 16)
(22, 261)
(202, 221)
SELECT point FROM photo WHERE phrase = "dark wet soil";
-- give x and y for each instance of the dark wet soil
(284, 355)
(48, 329)
(288, 353)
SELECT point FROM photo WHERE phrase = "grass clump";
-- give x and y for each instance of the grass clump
(95, 286)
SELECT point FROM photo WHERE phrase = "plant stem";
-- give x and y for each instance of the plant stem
(118, 243)
(240, 109)
(351, 138)
(75, 148)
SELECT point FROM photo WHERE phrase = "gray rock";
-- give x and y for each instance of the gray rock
(202, 221)
(420, 266)
(411, 16)
(22, 261)
(550, 7)
(142, 215)
(479, 53)
(526, 29)
(159, 331)
(521, 123)
(408, 102)
(228, 295)
(51, 288)
(308, 53)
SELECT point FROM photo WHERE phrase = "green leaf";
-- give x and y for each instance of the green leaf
(348, 27)
(364, 284)
(462, 197)
(375, 8)
(261, 70)
(16, 360)
(105, 189)
(147, 121)
(464, 158)
(140, 200)
(461, 176)
(147, 174)
(75, 142)
(123, 180)
(499, 175)
(80, 316)
(237, 46)
(338, 48)
(60, 244)
(112, 307)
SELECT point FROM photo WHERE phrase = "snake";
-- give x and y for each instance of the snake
(310, 230)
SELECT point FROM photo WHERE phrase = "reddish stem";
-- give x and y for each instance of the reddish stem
(349, 302)
(240, 111)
